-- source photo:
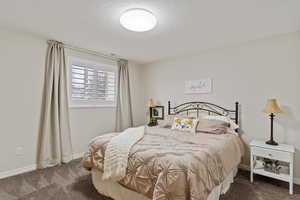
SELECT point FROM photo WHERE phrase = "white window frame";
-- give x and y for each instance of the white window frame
(90, 103)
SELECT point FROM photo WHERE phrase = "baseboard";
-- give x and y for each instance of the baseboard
(244, 167)
(78, 155)
(297, 181)
(17, 171)
(29, 168)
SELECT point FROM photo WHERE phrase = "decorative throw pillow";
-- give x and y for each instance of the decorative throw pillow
(168, 121)
(212, 126)
(185, 124)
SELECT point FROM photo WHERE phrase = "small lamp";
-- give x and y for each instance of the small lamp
(271, 108)
(151, 103)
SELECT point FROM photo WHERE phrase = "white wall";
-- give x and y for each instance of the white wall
(21, 81)
(22, 59)
(250, 73)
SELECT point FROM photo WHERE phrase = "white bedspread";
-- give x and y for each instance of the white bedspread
(117, 151)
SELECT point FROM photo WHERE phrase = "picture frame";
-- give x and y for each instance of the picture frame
(157, 112)
(200, 86)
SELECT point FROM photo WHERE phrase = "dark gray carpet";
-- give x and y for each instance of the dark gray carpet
(72, 182)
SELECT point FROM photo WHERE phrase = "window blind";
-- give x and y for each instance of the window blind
(92, 85)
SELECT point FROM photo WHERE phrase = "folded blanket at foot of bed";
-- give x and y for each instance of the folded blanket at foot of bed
(117, 151)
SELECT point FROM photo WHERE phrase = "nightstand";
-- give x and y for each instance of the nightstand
(281, 152)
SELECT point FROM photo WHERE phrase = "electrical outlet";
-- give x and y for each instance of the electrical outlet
(19, 151)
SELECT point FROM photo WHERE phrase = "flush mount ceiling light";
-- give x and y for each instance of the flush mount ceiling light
(138, 20)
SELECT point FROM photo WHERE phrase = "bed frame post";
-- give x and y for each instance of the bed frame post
(237, 112)
(169, 108)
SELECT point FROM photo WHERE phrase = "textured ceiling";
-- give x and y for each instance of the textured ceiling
(185, 26)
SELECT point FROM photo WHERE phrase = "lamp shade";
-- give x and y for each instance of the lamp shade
(151, 103)
(272, 107)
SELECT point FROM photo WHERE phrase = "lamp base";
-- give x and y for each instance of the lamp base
(272, 142)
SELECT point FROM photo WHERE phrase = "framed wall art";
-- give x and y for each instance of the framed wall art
(157, 112)
(198, 86)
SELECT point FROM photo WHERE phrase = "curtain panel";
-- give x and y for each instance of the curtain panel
(124, 117)
(54, 143)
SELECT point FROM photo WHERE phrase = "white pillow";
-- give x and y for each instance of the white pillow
(185, 124)
(168, 121)
(233, 125)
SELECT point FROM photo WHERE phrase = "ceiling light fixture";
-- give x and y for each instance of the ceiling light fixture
(138, 20)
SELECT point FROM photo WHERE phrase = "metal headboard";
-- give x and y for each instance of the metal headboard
(210, 108)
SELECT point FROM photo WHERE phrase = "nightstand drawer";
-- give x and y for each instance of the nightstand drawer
(271, 154)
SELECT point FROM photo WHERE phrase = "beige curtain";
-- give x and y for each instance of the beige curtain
(54, 144)
(124, 107)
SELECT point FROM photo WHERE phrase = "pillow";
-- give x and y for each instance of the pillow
(233, 125)
(212, 126)
(185, 124)
(167, 122)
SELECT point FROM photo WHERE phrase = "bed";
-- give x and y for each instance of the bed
(170, 164)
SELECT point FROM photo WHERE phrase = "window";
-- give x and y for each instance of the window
(92, 84)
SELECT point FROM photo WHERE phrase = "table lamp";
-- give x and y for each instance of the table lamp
(151, 103)
(271, 108)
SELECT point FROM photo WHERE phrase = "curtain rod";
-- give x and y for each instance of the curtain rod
(112, 57)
